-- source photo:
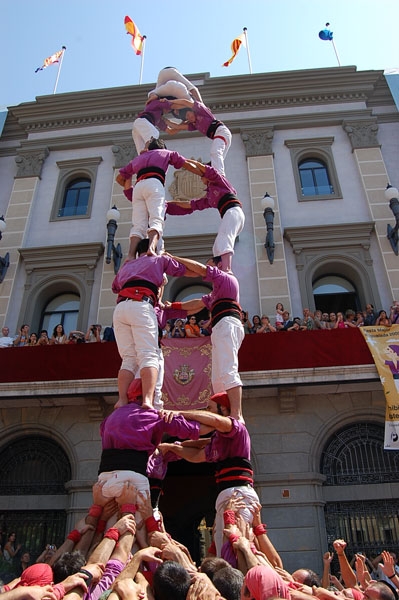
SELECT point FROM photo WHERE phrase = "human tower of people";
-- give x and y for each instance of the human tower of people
(120, 549)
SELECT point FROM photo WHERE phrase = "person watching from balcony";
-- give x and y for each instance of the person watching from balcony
(279, 315)
(32, 339)
(266, 326)
(43, 338)
(246, 323)
(191, 328)
(340, 322)
(256, 324)
(23, 336)
(59, 335)
(350, 317)
(93, 333)
(178, 330)
(383, 320)
(325, 319)
(5, 340)
(308, 319)
(370, 315)
(359, 320)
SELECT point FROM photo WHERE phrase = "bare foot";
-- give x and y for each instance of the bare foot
(147, 404)
(151, 252)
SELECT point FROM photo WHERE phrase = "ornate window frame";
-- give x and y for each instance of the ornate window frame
(319, 149)
(343, 249)
(68, 171)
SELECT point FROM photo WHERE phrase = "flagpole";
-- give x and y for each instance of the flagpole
(142, 59)
(59, 69)
(336, 53)
(248, 54)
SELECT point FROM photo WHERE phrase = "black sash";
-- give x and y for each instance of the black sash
(152, 173)
(225, 307)
(115, 459)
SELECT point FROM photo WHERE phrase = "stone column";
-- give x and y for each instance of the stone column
(29, 167)
(272, 279)
(374, 176)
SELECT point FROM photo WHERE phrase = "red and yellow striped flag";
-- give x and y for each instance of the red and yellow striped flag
(235, 46)
(54, 58)
(137, 38)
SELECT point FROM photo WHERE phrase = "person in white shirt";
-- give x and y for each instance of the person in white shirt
(5, 339)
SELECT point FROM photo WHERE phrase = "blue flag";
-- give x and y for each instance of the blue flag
(326, 34)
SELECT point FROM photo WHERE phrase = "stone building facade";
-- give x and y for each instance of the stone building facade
(324, 144)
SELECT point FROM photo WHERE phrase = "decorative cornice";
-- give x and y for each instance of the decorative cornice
(60, 257)
(329, 236)
(240, 93)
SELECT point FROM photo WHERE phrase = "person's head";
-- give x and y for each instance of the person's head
(24, 329)
(192, 320)
(58, 330)
(11, 536)
(256, 320)
(279, 306)
(44, 333)
(142, 246)
(306, 576)
(5, 331)
(306, 312)
(325, 316)
(286, 315)
(263, 582)
(156, 144)
(171, 580)
(33, 338)
(382, 314)
(350, 314)
(264, 320)
(214, 261)
(317, 314)
(369, 309)
(179, 323)
(25, 557)
(379, 590)
(212, 564)
(219, 404)
(187, 115)
(38, 574)
(228, 582)
(68, 564)
(333, 316)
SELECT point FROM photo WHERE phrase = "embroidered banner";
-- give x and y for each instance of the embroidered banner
(383, 343)
(187, 380)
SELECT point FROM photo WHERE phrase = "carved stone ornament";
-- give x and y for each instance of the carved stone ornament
(258, 142)
(29, 164)
(362, 134)
(186, 185)
(123, 154)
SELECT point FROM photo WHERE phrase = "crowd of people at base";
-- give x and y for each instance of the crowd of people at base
(321, 320)
(121, 551)
(58, 337)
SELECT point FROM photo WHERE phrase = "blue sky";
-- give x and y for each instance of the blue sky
(194, 37)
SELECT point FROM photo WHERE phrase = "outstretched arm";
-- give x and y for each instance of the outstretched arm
(348, 575)
(193, 265)
(212, 420)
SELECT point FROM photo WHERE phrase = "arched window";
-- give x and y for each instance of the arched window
(76, 198)
(315, 180)
(36, 467)
(333, 293)
(62, 309)
(355, 455)
(74, 194)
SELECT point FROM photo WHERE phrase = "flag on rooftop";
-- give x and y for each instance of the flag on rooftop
(51, 60)
(137, 38)
(326, 34)
(235, 46)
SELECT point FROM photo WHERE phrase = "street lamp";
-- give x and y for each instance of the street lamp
(391, 194)
(267, 203)
(114, 253)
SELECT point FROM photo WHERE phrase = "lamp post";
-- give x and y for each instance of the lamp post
(113, 252)
(4, 260)
(391, 194)
(267, 203)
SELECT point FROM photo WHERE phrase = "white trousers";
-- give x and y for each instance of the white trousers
(226, 338)
(148, 207)
(142, 132)
(114, 482)
(172, 88)
(136, 333)
(230, 227)
(219, 147)
(249, 496)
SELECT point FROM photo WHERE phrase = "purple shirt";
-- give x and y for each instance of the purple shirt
(235, 443)
(153, 158)
(164, 314)
(135, 428)
(217, 187)
(149, 268)
(155, 110)
(112, 570)
(203, 118)
(224, 285)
